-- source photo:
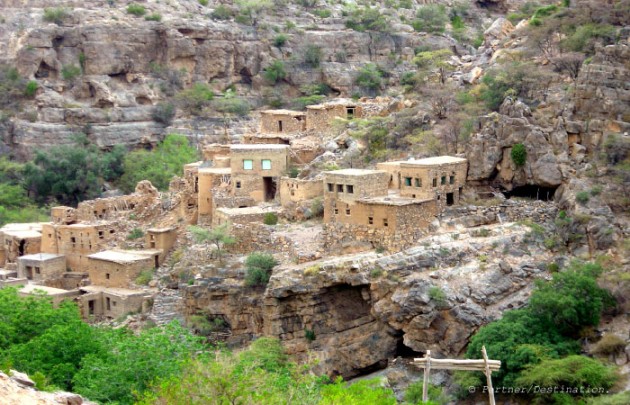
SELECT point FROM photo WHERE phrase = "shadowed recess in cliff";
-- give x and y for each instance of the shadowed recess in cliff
(532, 191)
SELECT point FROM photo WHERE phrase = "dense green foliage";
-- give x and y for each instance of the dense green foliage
(431, 18)
(101, 363)
(259, 266)
(159, 165)
(367, 19)
(218, 236)
(518, 154)
(194, 99)
(56, 15)
(528, 339)
(15, 206)
(275, 72)
(136, 9)
(369, 77)
(72, 173)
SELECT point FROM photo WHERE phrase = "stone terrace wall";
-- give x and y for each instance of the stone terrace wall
(508, 211)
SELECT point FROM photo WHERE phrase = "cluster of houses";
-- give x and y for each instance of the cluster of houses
(76, 255)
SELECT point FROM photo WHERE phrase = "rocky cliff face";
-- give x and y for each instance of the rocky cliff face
(353, 313)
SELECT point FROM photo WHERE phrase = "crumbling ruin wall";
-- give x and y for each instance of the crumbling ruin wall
(209, 179)
(63, 215)
(143, 201)
(111, 304)
(282, 121)
(121, 275)
(298, 190)
(320, 118)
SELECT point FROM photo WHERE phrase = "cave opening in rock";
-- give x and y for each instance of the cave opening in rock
(402, 350)
(531, 191)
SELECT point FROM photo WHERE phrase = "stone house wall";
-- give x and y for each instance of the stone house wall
(298, 190)
(258, 183)
(77, 241)
(343, 187)
(282, 121)
(111, 303)
(161, 239)
(112, 274)
(320, 118)
(42, 267)
(63, 215)
(208, 179)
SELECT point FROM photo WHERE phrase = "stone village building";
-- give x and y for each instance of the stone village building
(392, 207)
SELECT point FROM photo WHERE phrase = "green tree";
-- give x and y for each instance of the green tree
(218, 236)
(431, 18)
(367, 19)
(72, 173)
(518, 154)
(194, 99)
(133, 362)
(259, 267)
(369, 77)
(230, 106)
(159, 165)
(360, 392)
(572, 300)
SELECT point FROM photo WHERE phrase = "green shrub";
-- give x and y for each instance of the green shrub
(31, 88)
(275, 72)
(145, 276)
(163, 113)
(582, 197)
(553, 267)
(293, 172)
(596, 190)
(622, 398)
(271, 218)
(136, 233)
(154, 17)
(203, 2)
(309, 334)
(195, 98)
(430, 18)
(323, 13)
(159, 165)
(367, 19)
(136, 9)
(519, 154)
(259, 267)
(369, 77)
(376, 272)
(457, 23)
(313, 55)
(222, 13)
(586, 35)
(70, 72)
(302, 102)
(413, 394)
(438, 296)
(56, 15)
(280, 40)
(317, 207)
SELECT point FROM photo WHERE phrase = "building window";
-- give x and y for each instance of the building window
(349, 189)
(37, 270)
(279, 126)
(435, 182)
(370, 220)
(347, 211)
(238, 184)
(451, 180)
(418, 182)
(100, 234)
(331, 187)
(385, 223)
(408, 181)
(340, 188)
(106, 276)
(443, 180)
(114, 303)
(108, 304)
(350, 111)
(336, 211)
(266, 164)
(248, 164)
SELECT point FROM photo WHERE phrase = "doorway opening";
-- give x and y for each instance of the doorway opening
(269, 188)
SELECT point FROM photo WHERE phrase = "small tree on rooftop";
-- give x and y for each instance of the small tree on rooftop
(218, 236)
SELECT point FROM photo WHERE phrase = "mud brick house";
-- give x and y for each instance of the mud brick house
(62, 215)
(162, 239)
(342, 189)
(18, 240)
(109, 303)
(282, 121)
(42, 267)
(441, 178)
(56, 294)
(256, 170)
(210, 179)
(299, 190)
(113, 268)
(77, 241)
(320, 117)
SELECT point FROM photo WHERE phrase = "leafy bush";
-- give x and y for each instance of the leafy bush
(309, 334)
(31, 88)
(136, 9)
(195, 98)
(582, 197)
(275, 72)
(259, 267)
(136, 233)
(369, 77)
(323, 13)
(70, 72)
(163, 113)
(367, 19)
(361, 392)
(317, 207)
(222, 13)
(159, 165)
(571, 371)
(438, 296)
(302, 102)
(271, 218)
(519, 154)
(585, 37)
(413, 394)
(145, 277)
(280, 40)
(313, 55)
(56, 15)
(430, 18)
(154, 17)
(203, 2)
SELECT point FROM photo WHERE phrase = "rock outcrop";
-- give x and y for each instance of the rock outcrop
(18, 389)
